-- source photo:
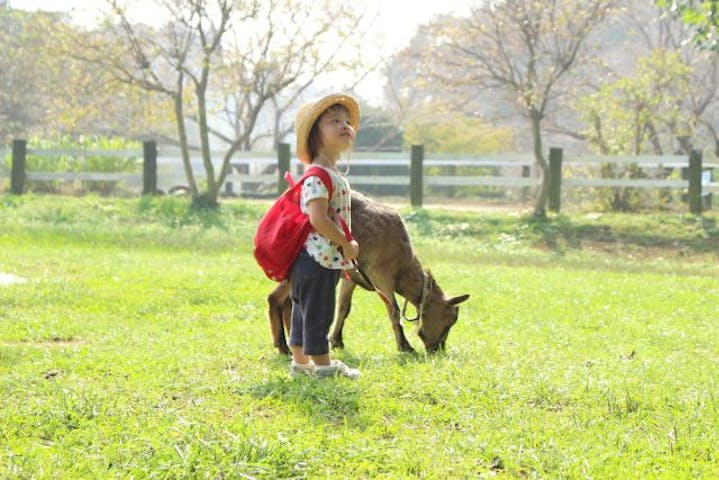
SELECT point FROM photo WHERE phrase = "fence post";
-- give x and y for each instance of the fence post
(526, 172)
(695, 182)
(451, 189)
(229, 191)
(17, 170)
(149, 167)
(555, 179)
(283, 165)
(415, 176)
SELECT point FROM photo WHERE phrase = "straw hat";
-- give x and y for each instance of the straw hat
(311, 111)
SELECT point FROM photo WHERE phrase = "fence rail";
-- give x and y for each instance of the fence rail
(262, 171)
(52, 152)
(625, 183)
(84, 176)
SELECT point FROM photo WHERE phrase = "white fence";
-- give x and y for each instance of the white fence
(256, 173)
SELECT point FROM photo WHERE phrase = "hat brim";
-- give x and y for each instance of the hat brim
(311, 111)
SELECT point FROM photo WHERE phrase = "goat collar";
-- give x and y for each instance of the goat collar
(426, 286)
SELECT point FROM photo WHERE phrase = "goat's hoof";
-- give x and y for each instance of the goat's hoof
(406, 349)
(337, 343)
(283, 349)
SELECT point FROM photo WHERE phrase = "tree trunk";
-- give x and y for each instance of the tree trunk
(209, 198)
(540, 206)
(184, 148)
(205, 141)
(715, 136)
(276, 135)
(654, 138)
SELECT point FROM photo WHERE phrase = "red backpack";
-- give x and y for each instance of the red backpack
(282, 231)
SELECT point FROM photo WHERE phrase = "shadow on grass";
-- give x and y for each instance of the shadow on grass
(601, 263)
(179, 212)
(710, 227)
(327, 400)
(561, 232)
(677, 233)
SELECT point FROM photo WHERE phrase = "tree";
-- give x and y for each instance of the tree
(700, 105)
(23, 58)
(378, 132)
(204, 45)
(639, 114)
(84, 99)
(268, 67)
(47, 94)
(441, 120)
(522, 49)
(409, 92)
(175, 61)
(636, 115)
(703, 15)
(455, 132)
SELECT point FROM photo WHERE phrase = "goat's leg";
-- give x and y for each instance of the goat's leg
(344, 305)
(286, 319)
(276, 301)
(394, 317)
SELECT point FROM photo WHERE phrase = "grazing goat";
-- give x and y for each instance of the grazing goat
(387, 258)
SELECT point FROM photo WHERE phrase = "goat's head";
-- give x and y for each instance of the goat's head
(438, 315)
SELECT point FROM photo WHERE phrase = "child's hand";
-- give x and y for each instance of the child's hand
(350, 250)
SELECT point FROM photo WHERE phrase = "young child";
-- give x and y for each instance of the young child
(325, 128)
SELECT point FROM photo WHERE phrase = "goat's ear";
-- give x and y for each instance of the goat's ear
(457, 300)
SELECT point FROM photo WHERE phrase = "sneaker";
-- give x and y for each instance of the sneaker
(336, 368)
(299, 369)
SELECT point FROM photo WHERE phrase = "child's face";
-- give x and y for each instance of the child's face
(336, 130)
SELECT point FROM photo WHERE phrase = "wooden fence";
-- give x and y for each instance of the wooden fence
(262, 174)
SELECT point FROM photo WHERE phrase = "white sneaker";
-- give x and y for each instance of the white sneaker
(336, 368)
(299, 369)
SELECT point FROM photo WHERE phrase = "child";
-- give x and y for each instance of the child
(325, 128)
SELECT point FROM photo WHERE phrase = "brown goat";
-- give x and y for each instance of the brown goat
(387, 257)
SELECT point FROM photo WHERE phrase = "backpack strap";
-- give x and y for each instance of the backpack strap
(316, 172)
(327, 180)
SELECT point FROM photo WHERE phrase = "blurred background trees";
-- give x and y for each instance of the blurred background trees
(606, 76)
(702, 15)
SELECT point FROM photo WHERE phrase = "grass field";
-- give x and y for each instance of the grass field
(138, 347)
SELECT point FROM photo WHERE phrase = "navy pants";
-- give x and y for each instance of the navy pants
(313, 304)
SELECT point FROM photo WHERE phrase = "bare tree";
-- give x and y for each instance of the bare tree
(271, 65)
(175, 61)
(254, 49)
(410, 93)
(681, 70)
(667, 33)
(523, 49)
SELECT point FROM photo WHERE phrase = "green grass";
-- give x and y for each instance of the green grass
(139, 348)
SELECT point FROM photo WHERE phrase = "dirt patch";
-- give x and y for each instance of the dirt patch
(52, 343)
(454, 204)
(460, 205)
